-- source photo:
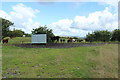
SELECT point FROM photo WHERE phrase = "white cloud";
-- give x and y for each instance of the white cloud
(81, 25)
(3, 14)
(62, 24)
(111, 2)
(24, 11)
(22, 16)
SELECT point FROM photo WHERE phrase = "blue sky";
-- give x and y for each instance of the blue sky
(51, 12)
(65, 18)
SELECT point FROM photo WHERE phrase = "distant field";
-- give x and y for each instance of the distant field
(19, 40)
(79, 62)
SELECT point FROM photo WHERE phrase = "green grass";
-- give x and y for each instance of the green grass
(80, 62)
(19, 40)
(0, 61)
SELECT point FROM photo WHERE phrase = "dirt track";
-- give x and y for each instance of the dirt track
(60, 45)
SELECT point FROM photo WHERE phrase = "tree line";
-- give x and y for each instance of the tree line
(6, 32)
(103, 35)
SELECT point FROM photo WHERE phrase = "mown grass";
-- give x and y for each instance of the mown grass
(80, 62)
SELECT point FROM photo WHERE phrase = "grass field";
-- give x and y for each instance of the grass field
(80, 62)
(0, 61)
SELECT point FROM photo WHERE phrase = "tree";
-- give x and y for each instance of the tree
(99, 36)
(27, 35)
(90, 37)
(5, 26)
(16, 33)
(102, 35)
(44, 30)
(116, 35)
(75, 37)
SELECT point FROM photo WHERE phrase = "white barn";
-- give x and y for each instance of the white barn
(39, 38)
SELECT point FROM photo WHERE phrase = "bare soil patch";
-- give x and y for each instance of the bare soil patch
(59, 45)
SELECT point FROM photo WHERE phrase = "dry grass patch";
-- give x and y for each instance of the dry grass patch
(107, 61)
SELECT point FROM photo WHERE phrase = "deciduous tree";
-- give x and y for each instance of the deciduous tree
(44, 30)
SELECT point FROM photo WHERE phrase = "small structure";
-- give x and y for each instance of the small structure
(23, 35)
(39, 39)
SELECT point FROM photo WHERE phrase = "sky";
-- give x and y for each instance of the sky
(64, 18)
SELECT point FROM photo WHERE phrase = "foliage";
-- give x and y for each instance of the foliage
(99, 36)
(16, 33)
(44, 30)
(102, 35)
(27, 35)
(116, 35)
(6, 32)
(75, 38)
(89, 37)
(5, 26)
